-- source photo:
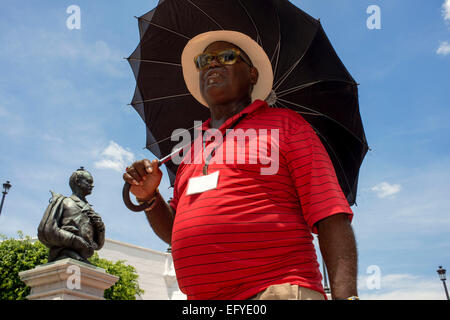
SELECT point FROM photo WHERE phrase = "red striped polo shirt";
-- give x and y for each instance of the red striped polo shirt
(254, 230)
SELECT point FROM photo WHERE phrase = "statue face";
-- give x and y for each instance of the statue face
(86, 183)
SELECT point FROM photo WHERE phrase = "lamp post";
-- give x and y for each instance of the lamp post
(6, 187)
(441, 273)
(326, 288)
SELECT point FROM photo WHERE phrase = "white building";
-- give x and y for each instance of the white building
(155, 269)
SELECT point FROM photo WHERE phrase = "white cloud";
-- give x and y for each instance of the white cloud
(403, 287)
(3, 112)
(385, 189)
(444, 48)
(115, 157)
(446, 9)
(52, 138)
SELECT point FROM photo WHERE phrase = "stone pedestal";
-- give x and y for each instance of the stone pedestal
(67, 279)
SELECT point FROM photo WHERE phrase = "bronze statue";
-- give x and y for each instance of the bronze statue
(70, 228)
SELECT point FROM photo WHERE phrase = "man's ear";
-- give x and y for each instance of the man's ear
(78, 179)
(77, 182)
(254, 74)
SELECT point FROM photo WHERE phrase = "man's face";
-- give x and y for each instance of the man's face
(86, 183)
(222, 84)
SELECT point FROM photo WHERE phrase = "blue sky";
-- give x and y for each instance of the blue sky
(63, 104)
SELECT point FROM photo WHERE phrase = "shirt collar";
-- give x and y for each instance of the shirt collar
(253, 107)
(75, 198)
(78, 200)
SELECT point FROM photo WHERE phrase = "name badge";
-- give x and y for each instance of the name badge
(202, 183)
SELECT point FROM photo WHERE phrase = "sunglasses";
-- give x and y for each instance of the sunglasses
(225, 57)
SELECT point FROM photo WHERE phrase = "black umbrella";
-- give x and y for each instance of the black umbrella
(309, 76)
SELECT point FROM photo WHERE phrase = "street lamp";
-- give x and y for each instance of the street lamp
(441, 273)
(6, 187)
(326, 288)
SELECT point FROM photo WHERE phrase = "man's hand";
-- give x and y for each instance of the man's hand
(338, 246)
(98, 222)
(144, 177)
(95, 218)
(82, 246)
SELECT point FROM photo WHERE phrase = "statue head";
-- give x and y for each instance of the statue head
(81, 182)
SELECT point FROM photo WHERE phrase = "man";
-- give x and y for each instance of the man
(235, 233)
(70, 227)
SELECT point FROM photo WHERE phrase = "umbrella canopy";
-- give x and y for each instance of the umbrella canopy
(309, 76)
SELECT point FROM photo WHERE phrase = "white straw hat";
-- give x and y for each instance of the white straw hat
(254, 51)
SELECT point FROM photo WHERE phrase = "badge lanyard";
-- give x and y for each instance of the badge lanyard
(208, 159)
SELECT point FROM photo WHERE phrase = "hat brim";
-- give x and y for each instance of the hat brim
(253, 50)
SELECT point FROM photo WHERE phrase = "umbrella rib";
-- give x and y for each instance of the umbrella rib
(157, 62)
(300, 112)
(164, 28)
(324, 115)
(173, 135)
(278, 47)
(278, 105)
(209, 17)
(286, 75)
(258, 37)
(277, 50)
(306, 85)
(300, 87)
(161, 98)
(275, 105)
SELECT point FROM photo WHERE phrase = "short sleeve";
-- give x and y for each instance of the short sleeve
(313, 174)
